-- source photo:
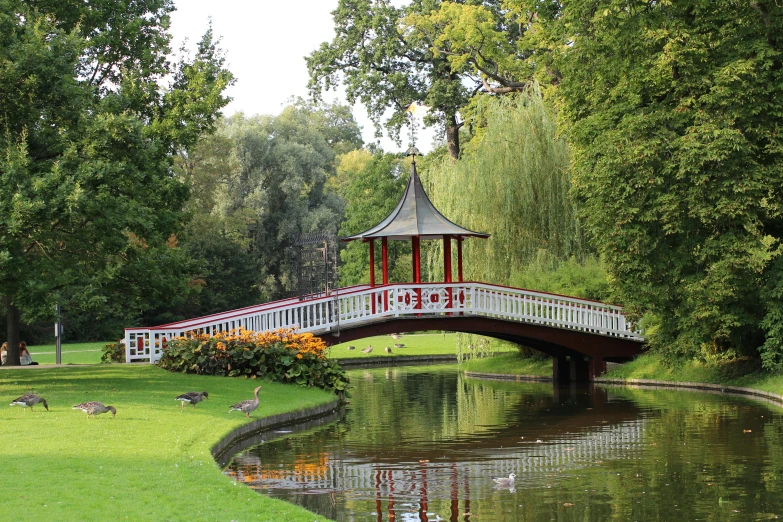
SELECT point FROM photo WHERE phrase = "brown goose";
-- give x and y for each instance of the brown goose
(248, 405)
(192, 398)
(388, 350)
(368, 349)
(95, 408)
(29, 400)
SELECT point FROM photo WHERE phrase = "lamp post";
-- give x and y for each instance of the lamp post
(58, 330)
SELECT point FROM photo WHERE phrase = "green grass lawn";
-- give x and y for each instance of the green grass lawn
(510, 363)
(151, 462)
(415, 344)
(72, 353)
(733, 373)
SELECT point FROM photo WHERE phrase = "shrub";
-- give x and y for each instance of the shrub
(282, 356)
(113, 352)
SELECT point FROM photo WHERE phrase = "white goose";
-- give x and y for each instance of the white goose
(505, 482)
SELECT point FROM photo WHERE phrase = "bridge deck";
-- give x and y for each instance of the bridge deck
(545, 321)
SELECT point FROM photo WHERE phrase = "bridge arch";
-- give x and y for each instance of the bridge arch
(576, 355)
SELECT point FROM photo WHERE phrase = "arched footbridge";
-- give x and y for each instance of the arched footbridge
(581, 335)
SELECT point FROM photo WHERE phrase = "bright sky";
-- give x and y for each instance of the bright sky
(265, 43)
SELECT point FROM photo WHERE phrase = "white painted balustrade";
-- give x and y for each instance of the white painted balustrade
(362, 304)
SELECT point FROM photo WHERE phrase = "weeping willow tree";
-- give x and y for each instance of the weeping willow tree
(512, 182)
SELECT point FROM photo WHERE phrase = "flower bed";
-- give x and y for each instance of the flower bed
(282, 356)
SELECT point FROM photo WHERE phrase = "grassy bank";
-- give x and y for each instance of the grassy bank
(72, 353)
(151, 462)
(511, 364)
(415, 344)
(733, 373)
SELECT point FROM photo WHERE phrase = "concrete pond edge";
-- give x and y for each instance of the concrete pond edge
(766, 396)
(770, 397)
(508, 377)
(236, 437)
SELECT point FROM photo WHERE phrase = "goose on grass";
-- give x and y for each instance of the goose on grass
(192, 398)
(95, 408)
(29, 400)
(248, 405)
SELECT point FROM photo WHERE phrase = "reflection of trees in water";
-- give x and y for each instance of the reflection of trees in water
(423, 442)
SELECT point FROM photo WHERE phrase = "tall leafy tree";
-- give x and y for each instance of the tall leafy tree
(439, 53)
(88, 198)
(258, 183)
(675, 112)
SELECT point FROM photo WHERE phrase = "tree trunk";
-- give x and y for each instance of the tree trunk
(452, 136)
(12, 358)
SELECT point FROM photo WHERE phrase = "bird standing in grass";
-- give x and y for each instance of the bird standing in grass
(368, 349)
(248, 405)
(29, 400)
(192, 398)
(95, 408)
(388, 350)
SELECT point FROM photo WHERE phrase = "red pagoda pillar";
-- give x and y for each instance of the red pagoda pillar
(372, 274)
(372, 261)
(385, 266)
(447, 259)
(385, 260)
(459, 259)
(415, 241)
(416, 259)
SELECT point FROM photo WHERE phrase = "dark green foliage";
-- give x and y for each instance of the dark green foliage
(675, 113)
(88, 198)
(273, 361)
(570, 277)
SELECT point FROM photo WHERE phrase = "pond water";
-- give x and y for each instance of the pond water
(424, 443)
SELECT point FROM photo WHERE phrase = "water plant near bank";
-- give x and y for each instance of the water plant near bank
(284, 355)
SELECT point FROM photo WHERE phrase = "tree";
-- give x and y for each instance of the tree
(513, 182)
(87, 194)
(373, 188)
(675, 112)
(439, 53)
(259, 183)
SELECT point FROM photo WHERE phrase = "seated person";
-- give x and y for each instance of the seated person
(24, 356)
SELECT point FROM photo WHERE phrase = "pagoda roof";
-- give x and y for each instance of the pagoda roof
(415, 215)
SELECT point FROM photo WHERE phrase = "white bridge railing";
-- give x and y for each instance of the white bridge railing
(362, 304)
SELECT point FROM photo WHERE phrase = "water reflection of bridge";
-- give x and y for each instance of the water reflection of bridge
(413, 482)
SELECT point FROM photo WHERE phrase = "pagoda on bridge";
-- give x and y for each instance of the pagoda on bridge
(413, 219)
